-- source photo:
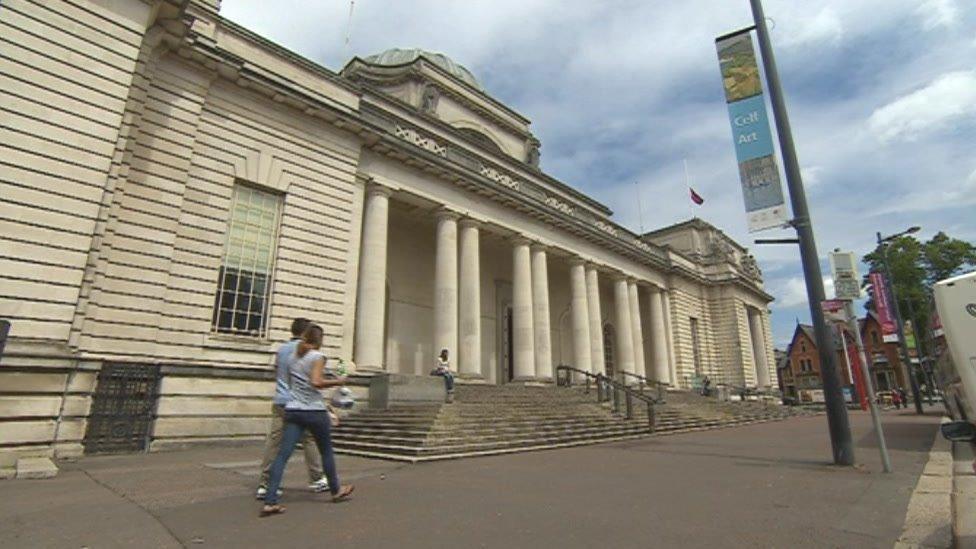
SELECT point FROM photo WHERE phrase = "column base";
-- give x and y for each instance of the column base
(524, 379)
(470, 379)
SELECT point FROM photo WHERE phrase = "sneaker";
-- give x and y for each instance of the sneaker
(320, 485)
(263, 491)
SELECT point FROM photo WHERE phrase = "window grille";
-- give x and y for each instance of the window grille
(244, 284)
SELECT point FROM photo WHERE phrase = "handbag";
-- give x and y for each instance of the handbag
(333, 416)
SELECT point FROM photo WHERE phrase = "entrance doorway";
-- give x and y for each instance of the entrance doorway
(609, 338)
(504, 344)
(508, 362)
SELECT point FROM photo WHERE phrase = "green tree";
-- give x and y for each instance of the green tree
(915, 266)
(943, 257)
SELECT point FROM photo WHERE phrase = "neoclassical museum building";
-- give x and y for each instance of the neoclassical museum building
(175, 189)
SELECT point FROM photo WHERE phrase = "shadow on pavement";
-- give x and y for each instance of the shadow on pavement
(902, 434)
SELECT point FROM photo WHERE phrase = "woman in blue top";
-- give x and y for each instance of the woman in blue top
(306, 410)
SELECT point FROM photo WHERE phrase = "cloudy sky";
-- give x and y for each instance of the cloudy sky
(881, 94)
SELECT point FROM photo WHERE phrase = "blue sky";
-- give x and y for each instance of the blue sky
(881, 94)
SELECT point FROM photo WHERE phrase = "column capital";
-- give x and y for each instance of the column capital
(374, 188)
(446, 213)
(519, 240)
(469, 222)
(539, 247)
(577, 261)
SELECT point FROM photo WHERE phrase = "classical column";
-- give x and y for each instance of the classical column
(446, 284)
(581, 316)
(469, 359)
(523, 348)
(659, 341)
(540, 313)
(371, 305)
(625, 333)
(758, 347)
(636, 331)
(597, 360)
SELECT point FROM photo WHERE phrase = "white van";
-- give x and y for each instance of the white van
(954, 343)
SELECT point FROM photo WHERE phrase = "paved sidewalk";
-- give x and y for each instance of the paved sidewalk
(760, 485)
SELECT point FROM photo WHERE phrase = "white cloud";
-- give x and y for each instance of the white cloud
(938, 13)
(792, 292)
(811, 175)
(823, 28)
(949, 100)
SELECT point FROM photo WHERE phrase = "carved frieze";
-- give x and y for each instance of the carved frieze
(559, 205)
(414, 137)
(499, 177)
(606, 227)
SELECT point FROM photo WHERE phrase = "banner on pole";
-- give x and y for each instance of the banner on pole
(882, 306)
(758, 172)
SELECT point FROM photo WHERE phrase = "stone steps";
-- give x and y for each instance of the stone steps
(486, 420)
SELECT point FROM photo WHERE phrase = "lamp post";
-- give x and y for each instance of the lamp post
(882, 243)
(840, 430)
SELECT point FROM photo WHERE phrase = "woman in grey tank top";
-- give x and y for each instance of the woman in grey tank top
(305, 410)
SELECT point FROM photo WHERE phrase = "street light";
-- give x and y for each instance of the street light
(901, 325)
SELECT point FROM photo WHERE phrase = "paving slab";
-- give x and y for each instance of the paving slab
(766, 485)
(36, 468)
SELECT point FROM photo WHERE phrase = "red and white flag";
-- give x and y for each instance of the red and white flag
(695, 197)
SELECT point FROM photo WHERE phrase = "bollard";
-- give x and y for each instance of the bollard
(587, 385)
(630, 405)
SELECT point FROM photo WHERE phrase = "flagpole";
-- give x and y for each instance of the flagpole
(691, 209)
(640, 208)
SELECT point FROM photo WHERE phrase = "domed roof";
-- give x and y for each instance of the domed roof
(398, 56)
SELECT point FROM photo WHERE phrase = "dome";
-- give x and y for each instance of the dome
(397, 56)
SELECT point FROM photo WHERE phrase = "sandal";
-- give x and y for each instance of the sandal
(269, 510)
(344, 493)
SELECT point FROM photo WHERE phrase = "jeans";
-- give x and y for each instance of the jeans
(448, 378)
(296, 422)
(273, 443)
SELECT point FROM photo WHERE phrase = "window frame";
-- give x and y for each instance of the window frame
(220, 292)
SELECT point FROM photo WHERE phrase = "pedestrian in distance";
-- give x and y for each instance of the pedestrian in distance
(904, 396)
(443, 369)
(316, 479)
(306, 411)
(896, 399)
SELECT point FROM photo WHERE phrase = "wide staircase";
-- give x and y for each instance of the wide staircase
(488, 419)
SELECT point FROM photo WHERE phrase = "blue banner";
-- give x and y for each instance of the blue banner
(758, 172)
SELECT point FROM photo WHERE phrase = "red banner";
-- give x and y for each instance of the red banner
(854, 357)
(882, 306)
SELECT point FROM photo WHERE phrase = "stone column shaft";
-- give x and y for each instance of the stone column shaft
(636, 330)
(625, 335)
(540, 314)
(580, 316)
(659, 342)
(758, 347)
(371, 305)
(523, 336)
(595, 315)
(446, 285)
(469, 363)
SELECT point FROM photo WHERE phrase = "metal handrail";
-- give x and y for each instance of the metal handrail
(609, 390)
(661, 386)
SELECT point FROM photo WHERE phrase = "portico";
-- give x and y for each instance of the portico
(447, 276)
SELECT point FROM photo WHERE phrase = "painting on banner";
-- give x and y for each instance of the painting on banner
(762, 191)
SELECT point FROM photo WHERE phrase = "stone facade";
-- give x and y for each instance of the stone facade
(176, 189)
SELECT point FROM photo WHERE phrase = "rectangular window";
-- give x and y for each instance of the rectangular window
(244, 286)
(695, 350)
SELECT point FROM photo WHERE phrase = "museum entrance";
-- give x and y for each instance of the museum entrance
(609, 338)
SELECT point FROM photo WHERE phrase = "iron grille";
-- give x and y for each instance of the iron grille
(122, 408)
